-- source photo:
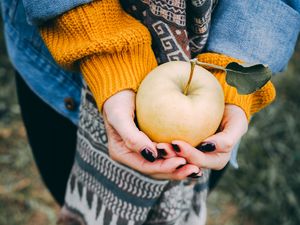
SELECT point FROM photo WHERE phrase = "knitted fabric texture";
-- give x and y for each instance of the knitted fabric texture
(113, 49)
(250, 103)
(114, 52)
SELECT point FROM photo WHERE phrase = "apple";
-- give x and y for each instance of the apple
(169, 107)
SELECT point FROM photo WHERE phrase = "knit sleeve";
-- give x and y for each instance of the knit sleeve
(250, 103)
(112, 49)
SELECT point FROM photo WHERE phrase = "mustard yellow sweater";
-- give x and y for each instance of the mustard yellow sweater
(113, 52)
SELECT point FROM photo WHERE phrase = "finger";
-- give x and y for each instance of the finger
(137, 162)
(221, 142)
(188, 170)
(214, 160)
(191, 154)
(181, 173)
(165, 165)
(225, 140)
(119, 110)
(234, 125)
(133, 138)
(165, 150)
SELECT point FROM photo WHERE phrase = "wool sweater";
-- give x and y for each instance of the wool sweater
(113, 51)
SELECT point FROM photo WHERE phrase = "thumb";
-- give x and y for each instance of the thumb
(135, 139)
(119, 111)
(221, 142)
(132, 137)
(226, 139)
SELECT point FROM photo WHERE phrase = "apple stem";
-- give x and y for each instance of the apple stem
(210, 65)
(193, 64)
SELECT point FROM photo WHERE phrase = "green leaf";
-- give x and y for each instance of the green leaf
(247, 78)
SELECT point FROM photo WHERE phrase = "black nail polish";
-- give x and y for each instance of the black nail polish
(207, 147)
(194, 175)
(176, 148)
(147, 154)
(161, 152)
(180, 166)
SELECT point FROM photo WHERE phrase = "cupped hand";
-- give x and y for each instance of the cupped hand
(131, 147)
(215, 151)
(120, 112)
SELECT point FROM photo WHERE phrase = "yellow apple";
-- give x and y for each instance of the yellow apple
(165, 113)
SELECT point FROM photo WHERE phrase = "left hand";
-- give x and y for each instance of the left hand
(233, 126)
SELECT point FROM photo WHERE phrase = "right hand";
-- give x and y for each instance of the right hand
(131, 147)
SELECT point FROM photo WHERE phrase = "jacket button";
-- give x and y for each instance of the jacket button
(69, 103)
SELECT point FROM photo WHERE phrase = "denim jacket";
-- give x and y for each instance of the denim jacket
(263, 31)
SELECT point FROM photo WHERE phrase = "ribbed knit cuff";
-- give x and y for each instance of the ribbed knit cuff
(110, 73)
(250, 103)
(232, 96)
(263, 97)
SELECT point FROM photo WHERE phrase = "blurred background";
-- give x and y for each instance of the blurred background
(264, 190)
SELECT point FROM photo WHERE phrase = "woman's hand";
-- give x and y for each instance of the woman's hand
(215, 151)
(131, 147)
(119, 112)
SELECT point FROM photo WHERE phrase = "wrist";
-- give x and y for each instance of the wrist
(116, 105)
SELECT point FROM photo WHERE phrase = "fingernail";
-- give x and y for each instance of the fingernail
(176, 148)
(180, 166)
(147, 154)
(194, 175)
(207, 147)
(161, 152)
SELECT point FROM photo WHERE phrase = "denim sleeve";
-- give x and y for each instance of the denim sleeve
(38, 11)
(258, 31)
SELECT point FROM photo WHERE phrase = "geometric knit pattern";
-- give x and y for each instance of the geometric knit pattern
(101, 191)
(179, 28)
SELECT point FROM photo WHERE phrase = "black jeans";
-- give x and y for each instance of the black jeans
(52, 138)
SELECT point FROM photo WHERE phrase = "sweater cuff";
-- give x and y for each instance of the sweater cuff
(110, 73)
(263, 97)
(233, 97)
(250, 103)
